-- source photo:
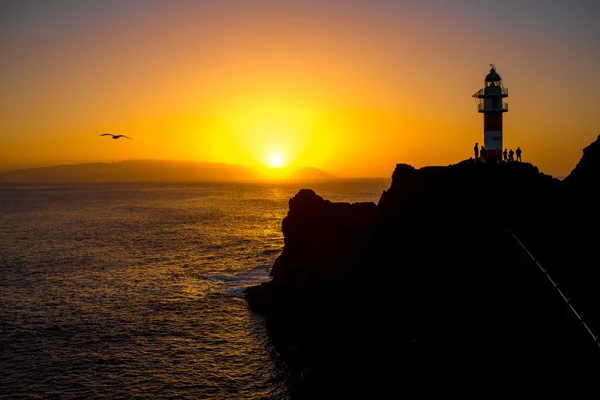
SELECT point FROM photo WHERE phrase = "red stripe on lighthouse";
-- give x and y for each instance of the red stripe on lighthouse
(492, 121)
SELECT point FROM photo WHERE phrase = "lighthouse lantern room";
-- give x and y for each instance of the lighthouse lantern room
(490, 102)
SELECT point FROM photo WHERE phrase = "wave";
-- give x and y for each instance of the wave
(272, 251)
(236, 284)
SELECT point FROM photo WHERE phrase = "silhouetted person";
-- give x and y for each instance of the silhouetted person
(511, 155)
(498, 155)
(505, 155)
(483, 154)
(476, 150)
(518, 154)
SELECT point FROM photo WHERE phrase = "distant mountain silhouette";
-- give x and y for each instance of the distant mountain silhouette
(303, 174)
(149, 171)
(311, 173)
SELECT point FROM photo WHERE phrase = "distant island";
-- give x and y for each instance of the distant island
(156, 171)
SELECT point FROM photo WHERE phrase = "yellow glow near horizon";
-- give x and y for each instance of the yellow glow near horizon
(265, 132)
(276, 161)
(352, 88)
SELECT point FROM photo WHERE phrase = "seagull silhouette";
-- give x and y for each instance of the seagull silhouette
(115, 136)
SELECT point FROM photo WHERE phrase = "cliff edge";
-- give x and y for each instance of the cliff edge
(431, 272)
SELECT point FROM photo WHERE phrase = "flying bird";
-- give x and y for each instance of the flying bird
(115, 136)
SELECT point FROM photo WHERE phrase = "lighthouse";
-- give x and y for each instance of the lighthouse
(490, 102)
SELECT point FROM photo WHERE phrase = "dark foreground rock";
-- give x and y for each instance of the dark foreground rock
(430, 282)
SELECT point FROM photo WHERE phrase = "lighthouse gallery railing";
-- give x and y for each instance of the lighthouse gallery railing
(481, 93)
(482, 107)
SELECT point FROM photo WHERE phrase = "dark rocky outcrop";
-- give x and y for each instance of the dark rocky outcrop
(325, 244)
(565, 237)
(586, 171)
(432, 273)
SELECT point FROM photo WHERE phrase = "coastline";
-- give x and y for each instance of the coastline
(428, 257)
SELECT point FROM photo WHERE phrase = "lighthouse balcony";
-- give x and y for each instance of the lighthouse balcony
(487, 92)
(482, 107)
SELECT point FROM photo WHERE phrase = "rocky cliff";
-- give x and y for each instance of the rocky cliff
(432, 272)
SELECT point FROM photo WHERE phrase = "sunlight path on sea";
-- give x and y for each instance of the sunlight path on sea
(127, 291)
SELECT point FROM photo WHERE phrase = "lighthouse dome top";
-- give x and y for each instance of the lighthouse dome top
(493, 76)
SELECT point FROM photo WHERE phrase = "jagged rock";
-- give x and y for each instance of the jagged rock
(324, 243)
(434, 258)
(583, 179)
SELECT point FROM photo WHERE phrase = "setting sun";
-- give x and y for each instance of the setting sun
(275, 161)
(345, 87)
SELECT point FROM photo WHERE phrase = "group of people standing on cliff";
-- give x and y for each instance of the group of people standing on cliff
(481, 155)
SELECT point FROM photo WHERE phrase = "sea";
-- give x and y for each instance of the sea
(136, 291)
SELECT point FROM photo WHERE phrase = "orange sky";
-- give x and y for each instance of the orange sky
(351, 87)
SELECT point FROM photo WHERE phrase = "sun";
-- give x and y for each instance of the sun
(275, 161)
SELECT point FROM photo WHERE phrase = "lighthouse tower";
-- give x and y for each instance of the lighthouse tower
(490, 103)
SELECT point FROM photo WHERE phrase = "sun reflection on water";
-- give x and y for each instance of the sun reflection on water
(137, 291)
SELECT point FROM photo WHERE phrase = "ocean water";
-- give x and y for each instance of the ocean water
(135, 291)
